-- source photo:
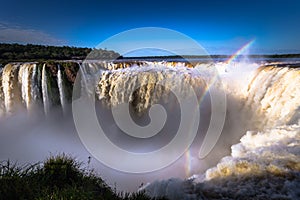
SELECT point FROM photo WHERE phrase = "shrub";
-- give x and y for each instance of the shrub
(58, 178)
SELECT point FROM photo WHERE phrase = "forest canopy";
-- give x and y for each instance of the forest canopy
(30, 52)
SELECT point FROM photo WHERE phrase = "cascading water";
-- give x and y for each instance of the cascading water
(31, 85)
(277, 98)
(146, 86)
(46, 99)
(266, 99)
(83, 75)
(36, 84)
(61, 88)
(10, 87)
(266, 161)
(270, 93)
(25, 82)
(2, 108)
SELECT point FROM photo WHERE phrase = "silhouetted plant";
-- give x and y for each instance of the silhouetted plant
(58, 178)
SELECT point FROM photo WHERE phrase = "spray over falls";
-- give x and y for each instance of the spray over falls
(268, 98)
(267, 157)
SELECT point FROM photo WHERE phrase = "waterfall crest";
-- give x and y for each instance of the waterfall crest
(271, 92)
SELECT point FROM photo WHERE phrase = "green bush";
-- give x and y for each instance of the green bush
(58, 178)
(14, 181)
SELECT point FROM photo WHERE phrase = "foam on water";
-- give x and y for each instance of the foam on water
(266, 162)
(262, 99)
(263, 165)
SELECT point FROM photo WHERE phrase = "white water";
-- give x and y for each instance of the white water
(61, 88)
(265, 100)
(46, 99)
(36, 79)
(10, 88)
(6, 90)
(266, 163)
(25, 82)
(2, 108)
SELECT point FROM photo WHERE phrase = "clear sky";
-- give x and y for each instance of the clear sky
(220, 26)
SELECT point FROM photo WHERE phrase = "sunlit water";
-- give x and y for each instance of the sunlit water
(261, 98)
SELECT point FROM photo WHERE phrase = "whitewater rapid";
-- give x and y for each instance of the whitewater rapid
(265, 164)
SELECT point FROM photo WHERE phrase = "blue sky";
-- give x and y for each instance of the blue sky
(219, 26)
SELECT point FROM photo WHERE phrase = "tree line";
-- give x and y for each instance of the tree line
(30, 52)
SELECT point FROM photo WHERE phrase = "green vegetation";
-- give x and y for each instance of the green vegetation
(58, 178)
(30, 52)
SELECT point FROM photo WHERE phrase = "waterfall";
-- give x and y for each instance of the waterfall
(266, 158)
(7, 87)
(36, 84)
(86, 77)
(25, 83)
(31, 85)
(270, 93)
(45, 93)
(146, 86)
(266, 161)
(83, 73)
(61, 87)
(10, 87)
(2, 108)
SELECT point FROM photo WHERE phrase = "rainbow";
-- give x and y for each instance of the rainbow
(187, 155)
(240, 51)
(188, 161)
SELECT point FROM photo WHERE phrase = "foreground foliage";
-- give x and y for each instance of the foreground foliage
(58, 178)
